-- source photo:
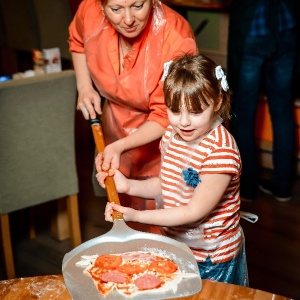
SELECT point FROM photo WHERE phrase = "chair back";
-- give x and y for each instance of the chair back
(37, 140)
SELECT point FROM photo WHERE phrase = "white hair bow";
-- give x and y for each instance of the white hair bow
(220, 75)
(166, 70)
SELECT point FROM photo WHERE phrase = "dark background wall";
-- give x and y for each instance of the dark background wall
(33, 24)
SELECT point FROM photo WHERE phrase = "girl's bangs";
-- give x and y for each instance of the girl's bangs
(188, 91)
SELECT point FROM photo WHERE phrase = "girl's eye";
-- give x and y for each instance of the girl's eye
(173, 112)
(196, 113)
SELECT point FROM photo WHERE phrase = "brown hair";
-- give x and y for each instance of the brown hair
(192, 78)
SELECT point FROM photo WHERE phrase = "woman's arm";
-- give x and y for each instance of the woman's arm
(205, 198)
(88, 97)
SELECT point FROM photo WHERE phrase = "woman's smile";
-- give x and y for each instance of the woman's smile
(130, 29)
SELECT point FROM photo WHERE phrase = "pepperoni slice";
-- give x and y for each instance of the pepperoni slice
(147, 282)
(131, 268)
(108, 261)
(113, 276)
(163, 266)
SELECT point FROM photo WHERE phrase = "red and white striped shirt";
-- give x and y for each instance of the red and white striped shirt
(218, 235)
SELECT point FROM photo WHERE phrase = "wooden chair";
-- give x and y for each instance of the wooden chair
(37, 152)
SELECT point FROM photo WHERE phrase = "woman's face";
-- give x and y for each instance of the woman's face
(128, 17)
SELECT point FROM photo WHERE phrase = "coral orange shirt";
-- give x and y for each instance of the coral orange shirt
(135, 95)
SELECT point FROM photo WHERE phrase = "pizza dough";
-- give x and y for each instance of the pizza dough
(133, 273)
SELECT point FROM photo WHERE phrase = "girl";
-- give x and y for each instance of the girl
(197, 192)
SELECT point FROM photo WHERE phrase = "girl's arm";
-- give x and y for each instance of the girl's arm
(148, 188)
(205, 198)
(146, 133)
(88, 98)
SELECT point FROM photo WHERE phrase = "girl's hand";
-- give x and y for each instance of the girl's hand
(101, 176)
(108, 212)
(129, 214)
(111, 156)
(89, 102)
(121, 182)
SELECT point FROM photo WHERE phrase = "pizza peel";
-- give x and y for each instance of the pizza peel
(121, 238)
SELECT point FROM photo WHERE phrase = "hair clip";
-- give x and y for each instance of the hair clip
(220, 75)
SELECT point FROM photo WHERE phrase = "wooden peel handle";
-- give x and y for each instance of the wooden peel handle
(111, 190)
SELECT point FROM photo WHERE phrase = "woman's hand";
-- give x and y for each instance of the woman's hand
(129, 214)
(89, 102)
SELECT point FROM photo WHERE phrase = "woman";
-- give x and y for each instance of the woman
(119, 48)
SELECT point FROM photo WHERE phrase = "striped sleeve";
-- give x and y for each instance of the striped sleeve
(224, 157)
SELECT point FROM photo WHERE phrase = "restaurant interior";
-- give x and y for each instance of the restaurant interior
(43, 233)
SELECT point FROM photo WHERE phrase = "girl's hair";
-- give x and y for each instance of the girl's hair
(193, 78)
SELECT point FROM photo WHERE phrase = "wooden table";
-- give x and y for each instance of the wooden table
(53, 287)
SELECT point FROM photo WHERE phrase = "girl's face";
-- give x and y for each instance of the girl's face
(128, 17)
(190, 126)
